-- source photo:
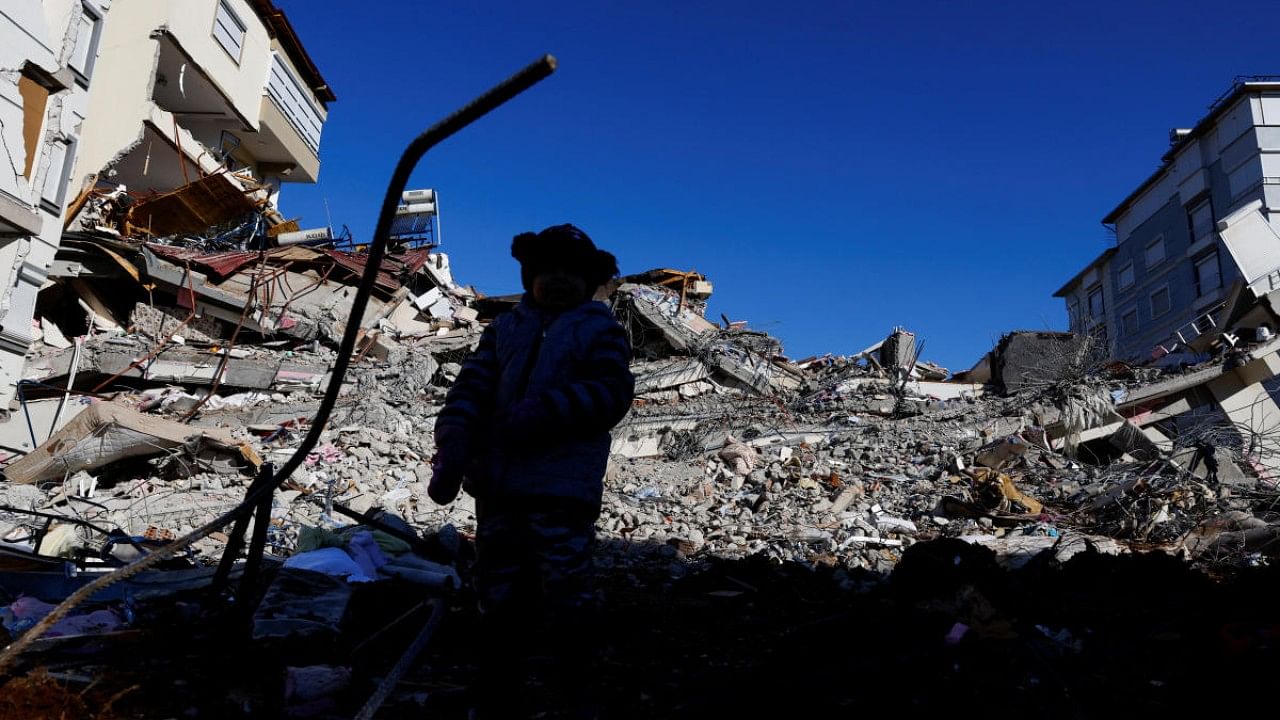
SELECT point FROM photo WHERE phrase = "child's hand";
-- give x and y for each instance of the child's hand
(446, 481)
(447, 465)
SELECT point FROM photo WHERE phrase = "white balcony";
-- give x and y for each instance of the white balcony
(289, 125)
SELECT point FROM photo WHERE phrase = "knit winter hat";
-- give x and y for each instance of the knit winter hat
(565, 247)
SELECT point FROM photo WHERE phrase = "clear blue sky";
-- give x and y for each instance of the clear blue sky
(836, 168)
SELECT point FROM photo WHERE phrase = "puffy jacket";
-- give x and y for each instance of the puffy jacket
(574, 365)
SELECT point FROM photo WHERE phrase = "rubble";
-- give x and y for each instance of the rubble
(180, 348)
(106, 433)
(187, 329)
(732, 451)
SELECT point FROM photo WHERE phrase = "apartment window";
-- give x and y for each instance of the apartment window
(228, 30)
(1160, 302)
(1155, 251)
(88, 33)
(1129, 322)
(54, 190)
(1200, 219)
(1126, 276)
(1073, 314)
(1095, 303)
(1208, 274)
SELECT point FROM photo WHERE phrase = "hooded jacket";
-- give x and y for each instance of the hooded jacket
(572, 369)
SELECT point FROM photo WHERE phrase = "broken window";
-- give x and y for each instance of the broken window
(228, 30)
(1126, 276)
(1200, 219)
(1095, 302)
(1208, 273)
(1155, 251)
(1129, 322)
(1160, 302)
(86, 47)
(35, 97)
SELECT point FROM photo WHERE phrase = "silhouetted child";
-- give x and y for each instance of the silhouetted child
(525, 429)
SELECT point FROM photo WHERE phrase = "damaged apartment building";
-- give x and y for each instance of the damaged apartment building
(1195, 240)
(47, 66)
(138, 118)
(1192, 279)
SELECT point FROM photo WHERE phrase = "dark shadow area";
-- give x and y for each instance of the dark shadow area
(950, 631)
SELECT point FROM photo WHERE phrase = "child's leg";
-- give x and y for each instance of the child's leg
(565, 540)
(503, 588)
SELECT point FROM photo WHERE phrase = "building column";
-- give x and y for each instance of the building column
(1245, 395)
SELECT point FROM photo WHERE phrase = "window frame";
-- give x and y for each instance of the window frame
(244, 30)
(1124, 324)
(1102, 302)
(1120, 283)
(1146, 253)
(85, 74)
(1151, 299)
(1197, 204)
(56, 204)
(1195, 271)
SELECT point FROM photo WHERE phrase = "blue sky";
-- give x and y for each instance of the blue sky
(836, 168)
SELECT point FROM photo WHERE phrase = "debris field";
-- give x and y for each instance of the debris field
(757, 507)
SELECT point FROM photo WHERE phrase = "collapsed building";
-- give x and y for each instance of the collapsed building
(144, 413)
(146, 116)
(183, 329)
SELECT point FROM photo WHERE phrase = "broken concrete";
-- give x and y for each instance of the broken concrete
(105, 433)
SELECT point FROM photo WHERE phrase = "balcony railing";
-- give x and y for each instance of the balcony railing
(295, 102)
(1186, 334)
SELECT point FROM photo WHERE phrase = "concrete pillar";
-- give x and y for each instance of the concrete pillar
(1244, 398)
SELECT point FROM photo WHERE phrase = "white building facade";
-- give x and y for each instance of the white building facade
(48, 63)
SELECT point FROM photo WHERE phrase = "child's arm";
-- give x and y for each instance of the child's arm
(469, 402)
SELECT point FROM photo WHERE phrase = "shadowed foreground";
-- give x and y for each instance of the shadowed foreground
(949, 631)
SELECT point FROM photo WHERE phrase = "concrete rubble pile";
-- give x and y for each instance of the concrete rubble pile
(167, 371)
(1040, 447)
(165, 376)
(171, 361)
(731, 449)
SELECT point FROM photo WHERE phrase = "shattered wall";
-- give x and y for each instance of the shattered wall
(1031, 359)
(125, 73)
(169, 84)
